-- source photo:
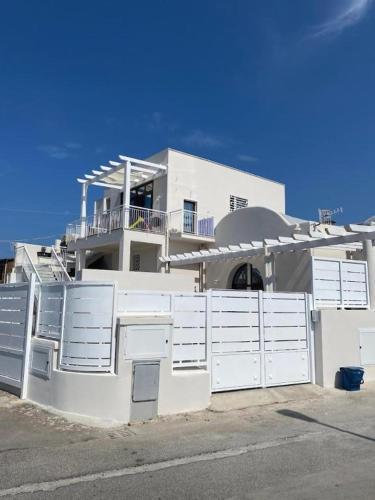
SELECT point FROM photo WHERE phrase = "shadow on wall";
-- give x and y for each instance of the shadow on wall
(338, 380)
(305, 418)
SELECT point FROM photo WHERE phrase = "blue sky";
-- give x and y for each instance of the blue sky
(282, 88)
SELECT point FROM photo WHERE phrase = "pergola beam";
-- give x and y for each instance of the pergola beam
(344, 236)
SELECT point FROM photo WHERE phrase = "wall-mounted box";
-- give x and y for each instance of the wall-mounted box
(41, 361)
(367, 345)
(147, 341)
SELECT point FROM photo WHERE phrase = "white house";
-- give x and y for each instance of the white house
(189, 279)
(170, 203)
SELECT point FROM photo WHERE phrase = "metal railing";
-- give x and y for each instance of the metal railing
(23, 260)
(73, 231)
(58, 268)
(188, 222)
(134, 218)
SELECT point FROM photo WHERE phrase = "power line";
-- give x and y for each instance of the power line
(23, 240)
(27, 211)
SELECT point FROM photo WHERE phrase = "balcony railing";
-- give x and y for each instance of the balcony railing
(188, 222)
(134, 218)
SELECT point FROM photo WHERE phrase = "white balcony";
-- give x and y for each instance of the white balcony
(133, 218)
(185, 223)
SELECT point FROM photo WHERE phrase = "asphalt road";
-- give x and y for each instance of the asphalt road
(323, 448)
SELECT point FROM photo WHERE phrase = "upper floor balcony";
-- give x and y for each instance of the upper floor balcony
(191, 225)
(180, 223)
(133, 218)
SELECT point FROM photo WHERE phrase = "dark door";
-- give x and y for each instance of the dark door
(190, 216)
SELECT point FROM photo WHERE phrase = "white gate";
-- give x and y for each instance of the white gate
(245, 339)
(16, 315)
(260, 339)
(81, 316)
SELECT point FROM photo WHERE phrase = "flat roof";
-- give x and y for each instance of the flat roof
(219, 164)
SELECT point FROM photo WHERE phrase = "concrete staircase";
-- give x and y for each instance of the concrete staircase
(46, 273)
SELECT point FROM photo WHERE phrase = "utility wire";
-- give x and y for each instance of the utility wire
(27, 211)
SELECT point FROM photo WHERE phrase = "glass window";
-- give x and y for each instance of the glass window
(142, 196)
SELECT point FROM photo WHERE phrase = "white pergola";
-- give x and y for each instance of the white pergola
(349, 238)
(122, 175)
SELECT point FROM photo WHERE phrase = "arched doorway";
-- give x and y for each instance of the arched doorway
(239, 280)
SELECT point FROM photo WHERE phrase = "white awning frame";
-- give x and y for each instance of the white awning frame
(112, 176)
(331, 236)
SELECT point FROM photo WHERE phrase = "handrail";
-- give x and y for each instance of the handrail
(30, 263)
(60, 264)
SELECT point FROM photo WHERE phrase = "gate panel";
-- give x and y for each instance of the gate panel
(16, 309)
(236, 371)
(284, 368)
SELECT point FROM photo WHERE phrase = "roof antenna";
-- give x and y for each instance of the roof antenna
(326, 214)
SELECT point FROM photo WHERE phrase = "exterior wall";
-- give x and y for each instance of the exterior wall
(219, 275)
(106, 398)
(294, 272)
(210, 184)
(94, 395)
(337, 344)
(133, 280)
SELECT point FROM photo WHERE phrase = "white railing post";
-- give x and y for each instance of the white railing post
(310, 335)
(263, 380)
(28, 333)
(341, 286)
(209, 334)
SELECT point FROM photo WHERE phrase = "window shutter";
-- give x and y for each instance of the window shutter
(235, 202)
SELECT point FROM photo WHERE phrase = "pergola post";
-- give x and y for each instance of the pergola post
(126, 199)
(369, 250)
(83, 209)
(269, 264)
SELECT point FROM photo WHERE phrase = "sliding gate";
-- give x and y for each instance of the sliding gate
(260, 339)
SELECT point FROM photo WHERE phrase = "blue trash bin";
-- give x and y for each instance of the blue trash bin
(352, 377)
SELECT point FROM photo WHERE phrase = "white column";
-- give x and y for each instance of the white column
(83, 209)
(269, 261)
(126, 200)
(369, 249)
(80, 260)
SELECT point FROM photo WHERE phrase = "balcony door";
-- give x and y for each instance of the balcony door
(190, 216)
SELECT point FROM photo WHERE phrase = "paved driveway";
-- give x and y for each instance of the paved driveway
(319, 448)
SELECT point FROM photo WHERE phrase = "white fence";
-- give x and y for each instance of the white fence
(246, 339)
(16, 310)
(81, 316)
(340, 283)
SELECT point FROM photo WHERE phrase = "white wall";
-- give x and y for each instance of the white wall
(210, 184)
(337, 344)
(133, 280)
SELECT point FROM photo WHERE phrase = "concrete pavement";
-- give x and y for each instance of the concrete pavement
(320, 447)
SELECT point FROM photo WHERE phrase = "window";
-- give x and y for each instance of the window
(142, 196)
(106, 204)
(235, 202)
